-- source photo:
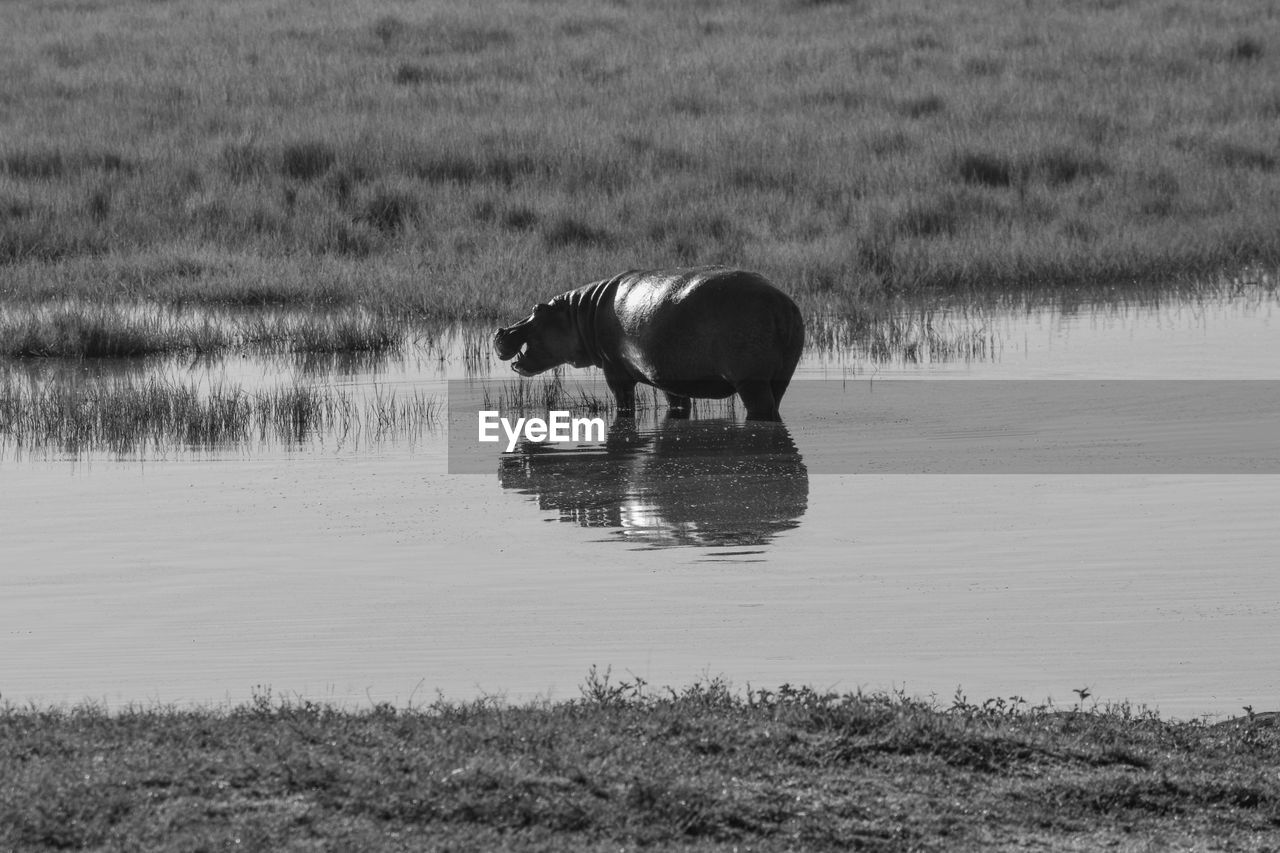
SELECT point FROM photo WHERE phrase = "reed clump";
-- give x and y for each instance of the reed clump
(129, 416)
(83, 330)
(922, 336)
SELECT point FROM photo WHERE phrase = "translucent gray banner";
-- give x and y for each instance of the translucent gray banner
(898, 427)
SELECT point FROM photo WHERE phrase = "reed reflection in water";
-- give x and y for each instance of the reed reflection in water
(710, 482)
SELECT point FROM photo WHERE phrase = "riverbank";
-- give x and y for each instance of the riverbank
(627, 766)
(455, 163)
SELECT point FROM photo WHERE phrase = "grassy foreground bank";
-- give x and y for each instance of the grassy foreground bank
(623, 767)
(454, 160)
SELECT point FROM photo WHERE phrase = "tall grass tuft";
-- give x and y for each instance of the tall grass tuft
(570, 231)
(983, 168)
(127, 416)
(77, 330)
(306, 161)
(921, 336)
(74, 331)
(390, 210)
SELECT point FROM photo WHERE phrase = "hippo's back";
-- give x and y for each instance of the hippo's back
(708, 323)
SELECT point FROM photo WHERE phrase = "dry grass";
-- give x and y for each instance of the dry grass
(456, 161)
(702, 768)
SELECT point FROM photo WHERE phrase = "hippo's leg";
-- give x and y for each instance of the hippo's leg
(624, 391)
(678, 407)
(779, 387)
(757, 396)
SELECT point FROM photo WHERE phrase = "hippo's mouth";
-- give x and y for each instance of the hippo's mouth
(504, 344)
(520, 363)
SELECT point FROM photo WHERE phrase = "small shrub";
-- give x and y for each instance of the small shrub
(983, 66)
(520, 218)
(388, 28)
(569, 231)
(440, 35)
(925, 105)
(1244, 49)
(577, 27)
(411, 74)
(1064, 165)
(14, 209)
(99, 203)
(109, 161)
(439, 168)
(1099, 129)
(687, 252)
(506, 168)
(35, 164)
(1079, 231)
(645, 146)
(211, 213)
(306, 161)
(839, 96)
(890, 143)
(1158, 193)
(1268, 106)
(946, 215)
(1156, 205)
(926, 41)
(340, 183)
(33, 238)
(346, 238)
(262, 219)
(721, 228)
(463, 169)
(989, 170)
(690, 105)
(389, 210)
(598, 691)
(928, 220)
(243, 160)
(876, 250)
(466, 38)
(761, 176)
(1235, 155)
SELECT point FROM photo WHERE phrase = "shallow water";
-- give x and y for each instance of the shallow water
(360, 570)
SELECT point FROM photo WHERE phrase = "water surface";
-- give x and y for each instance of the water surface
(358, 570)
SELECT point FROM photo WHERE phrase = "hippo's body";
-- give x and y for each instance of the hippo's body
(703, 332)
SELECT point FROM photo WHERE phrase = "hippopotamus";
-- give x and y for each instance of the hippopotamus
(701, 332)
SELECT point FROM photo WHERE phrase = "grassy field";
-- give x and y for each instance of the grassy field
(626, 767)
(451, 160)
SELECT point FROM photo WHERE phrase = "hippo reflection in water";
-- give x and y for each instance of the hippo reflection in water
(690, 482)
(701, 332)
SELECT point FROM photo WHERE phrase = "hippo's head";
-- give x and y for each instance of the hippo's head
(545, 339)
